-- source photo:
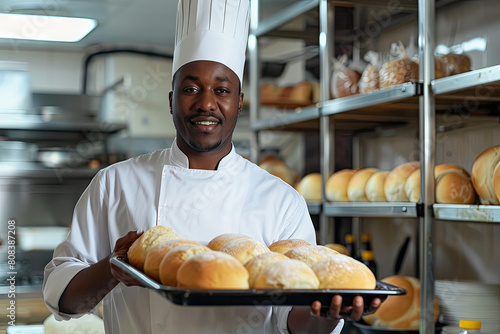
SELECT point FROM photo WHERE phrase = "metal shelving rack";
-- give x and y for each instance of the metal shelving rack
(423, 104)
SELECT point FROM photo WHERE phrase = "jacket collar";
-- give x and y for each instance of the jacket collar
(179, 159)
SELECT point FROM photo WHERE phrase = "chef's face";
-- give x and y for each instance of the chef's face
(205, 103)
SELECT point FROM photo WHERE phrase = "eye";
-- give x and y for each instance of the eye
(190, 89)
(222, 91)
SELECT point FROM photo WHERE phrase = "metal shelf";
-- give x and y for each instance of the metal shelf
(314, 208)
(467, 84)
(300, 119)
(401, 97)
(470, 213)
(35, 122)
(372, 209)
(36, 170)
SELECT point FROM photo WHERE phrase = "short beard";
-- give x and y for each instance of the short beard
(204, 149)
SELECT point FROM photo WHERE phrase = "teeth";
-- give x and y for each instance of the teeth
(205, 123)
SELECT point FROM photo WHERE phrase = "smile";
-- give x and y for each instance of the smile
(205, 123)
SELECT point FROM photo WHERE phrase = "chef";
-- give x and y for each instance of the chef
(200, 187)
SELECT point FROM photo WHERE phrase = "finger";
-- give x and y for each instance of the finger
(374, 305)
(335, 306)
(316, 309)
(357, 308)
(123, 244)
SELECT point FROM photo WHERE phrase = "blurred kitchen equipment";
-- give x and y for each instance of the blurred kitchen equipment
(401, 255)
(15, 82)
(41, 237)
(17, 151)
(55, 157)
(66, 107)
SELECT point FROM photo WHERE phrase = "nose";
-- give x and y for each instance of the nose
(206, 101)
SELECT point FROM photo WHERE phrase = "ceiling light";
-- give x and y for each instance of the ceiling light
(45, 28)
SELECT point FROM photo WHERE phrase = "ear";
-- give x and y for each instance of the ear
(170, 94)
(240, 103)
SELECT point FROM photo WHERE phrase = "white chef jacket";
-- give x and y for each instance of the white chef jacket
(159, 189)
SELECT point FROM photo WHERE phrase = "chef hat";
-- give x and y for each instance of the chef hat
(214, 30)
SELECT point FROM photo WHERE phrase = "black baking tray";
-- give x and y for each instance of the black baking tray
(256, 297)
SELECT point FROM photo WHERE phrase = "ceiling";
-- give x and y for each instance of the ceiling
(140, 23)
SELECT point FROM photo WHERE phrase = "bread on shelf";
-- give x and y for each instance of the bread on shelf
(483, 175)
(357, 185)
(310, 187)
(336, 185)
(394, 185)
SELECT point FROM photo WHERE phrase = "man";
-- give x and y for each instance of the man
(200, 187)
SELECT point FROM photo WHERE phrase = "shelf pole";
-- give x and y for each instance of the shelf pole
(253, 55)
(426, 22)
(326, 40)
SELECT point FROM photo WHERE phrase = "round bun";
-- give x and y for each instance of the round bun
(482, 175)
(453, 185)
(374, 189)
(244, 249)
(343, 272)
(212, 270)
(496, 181)
(221, 240)
(357, 184)
(289, 274)
(174, 259)
(258, 263)
(310, 187)
(400, 312)
(310, 255)
(275, 166)
(339, 248)
(156, 234)
(155, 255)
(456, 63)
(345, 83)
(394, 186)
(283, 246)
(336, 185)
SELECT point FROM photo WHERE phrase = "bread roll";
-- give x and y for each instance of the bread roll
(401, 312)
(283, 246)
(496, 181)
(212, 270)
(452, 185)
(343, 272)
(289, 274)
(275, 166)
(357, 184)
(339, 248)
(374, 189)
(244, 249)
(369, 81)
(336, 185)
(174, 259)
(456, 63)
(155, 255)
(482, 174)
(394, 186)
(310, 187)
(310, 255)
(255, 265)
(156, 234)
(221, 240)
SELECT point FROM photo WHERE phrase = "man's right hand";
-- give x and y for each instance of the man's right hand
(121, 248)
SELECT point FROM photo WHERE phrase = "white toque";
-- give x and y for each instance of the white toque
(214, 30)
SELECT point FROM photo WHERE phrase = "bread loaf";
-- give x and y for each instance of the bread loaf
(343, 272)
(310, 187)
(456, 63)
(221, 240)
(212, 270)
(496, 181)
(275, 166)
(400, 312)
(310, 255)
(397, 72)
(339, 248)
(374, 189)
(482, 175)
(394, 186)
(357, 184)
(336, 185)
(156, 234)
(255, 265)
(174, 259)
(244, 249)
(155, 255)
(369, 80)
(283, 246)
(288, 274)
(345, 83)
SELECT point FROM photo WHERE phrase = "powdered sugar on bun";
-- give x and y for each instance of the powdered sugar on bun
(343, 272)
(288, 274)
(310, 255)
